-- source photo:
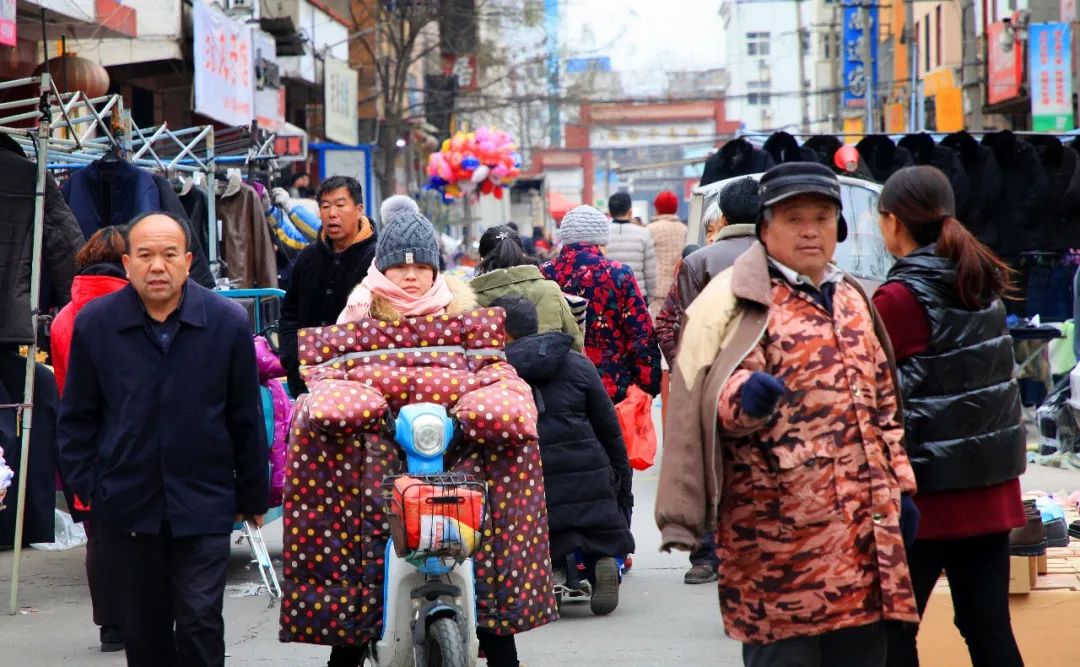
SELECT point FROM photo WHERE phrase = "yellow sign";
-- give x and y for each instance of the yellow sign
(949, 109)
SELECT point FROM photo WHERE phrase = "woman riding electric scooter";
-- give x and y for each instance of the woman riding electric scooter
(408, 335)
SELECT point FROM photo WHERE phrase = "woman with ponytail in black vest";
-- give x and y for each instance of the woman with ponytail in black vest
(942, 305)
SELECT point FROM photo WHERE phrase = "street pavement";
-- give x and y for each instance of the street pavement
(660, 620)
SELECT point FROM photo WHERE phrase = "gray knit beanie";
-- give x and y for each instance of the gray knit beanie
(409, 239)
(584, 224)
(394, 206)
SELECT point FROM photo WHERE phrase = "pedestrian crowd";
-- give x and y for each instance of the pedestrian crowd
(827, 453)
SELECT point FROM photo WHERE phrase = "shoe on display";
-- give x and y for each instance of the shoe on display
(1074, 529)
(700, 574)
(1053, 518)
(1029, 540)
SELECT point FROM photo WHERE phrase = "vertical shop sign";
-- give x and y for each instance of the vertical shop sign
(1005, 63)
(1050, 75)
(341, 97)
(7, 22)
(224, 67)
(858, 75)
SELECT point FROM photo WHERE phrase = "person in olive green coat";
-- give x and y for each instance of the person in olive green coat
(504, 269)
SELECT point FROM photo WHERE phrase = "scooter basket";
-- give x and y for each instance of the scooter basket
(438, 516)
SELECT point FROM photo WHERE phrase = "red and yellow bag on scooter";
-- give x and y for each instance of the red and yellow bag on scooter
(438, 519)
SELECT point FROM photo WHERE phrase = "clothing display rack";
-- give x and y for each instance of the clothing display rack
(73, 131)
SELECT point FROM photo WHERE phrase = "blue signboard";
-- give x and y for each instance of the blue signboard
(858, 74)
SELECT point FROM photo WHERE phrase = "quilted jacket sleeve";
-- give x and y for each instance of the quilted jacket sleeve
(650, 266)
(499, 406)
(733, 419)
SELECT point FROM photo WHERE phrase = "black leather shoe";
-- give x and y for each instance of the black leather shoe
(112, 639)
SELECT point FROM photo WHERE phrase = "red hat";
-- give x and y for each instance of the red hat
(666, 203)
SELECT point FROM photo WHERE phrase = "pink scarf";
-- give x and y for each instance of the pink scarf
(376, 284)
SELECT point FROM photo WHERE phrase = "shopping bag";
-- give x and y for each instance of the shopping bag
(635, 420)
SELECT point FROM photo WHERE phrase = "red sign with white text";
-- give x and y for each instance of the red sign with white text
(224, 67)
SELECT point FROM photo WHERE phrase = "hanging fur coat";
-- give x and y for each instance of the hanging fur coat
(984, 183)
(1020, 210)
(737, 157)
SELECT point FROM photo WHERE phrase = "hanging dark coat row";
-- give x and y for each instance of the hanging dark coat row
(1016, 193)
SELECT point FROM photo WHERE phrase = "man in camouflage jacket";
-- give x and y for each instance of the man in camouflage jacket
(784, 433)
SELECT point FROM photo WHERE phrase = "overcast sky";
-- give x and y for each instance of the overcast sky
(646, 36)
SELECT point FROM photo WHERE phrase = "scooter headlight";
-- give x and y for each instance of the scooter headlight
(429, 435)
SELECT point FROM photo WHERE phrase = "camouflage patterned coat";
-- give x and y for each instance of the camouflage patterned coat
(806, 503)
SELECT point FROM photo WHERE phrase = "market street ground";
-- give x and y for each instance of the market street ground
(660, 621)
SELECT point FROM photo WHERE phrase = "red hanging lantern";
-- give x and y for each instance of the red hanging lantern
(80, 74)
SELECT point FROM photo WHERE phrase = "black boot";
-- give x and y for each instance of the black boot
(346, 656)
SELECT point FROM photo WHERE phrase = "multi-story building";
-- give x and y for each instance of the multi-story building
(769, 44)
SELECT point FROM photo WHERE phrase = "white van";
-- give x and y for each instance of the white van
(862, 254)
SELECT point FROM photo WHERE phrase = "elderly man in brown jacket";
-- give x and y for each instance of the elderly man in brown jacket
(785, 435)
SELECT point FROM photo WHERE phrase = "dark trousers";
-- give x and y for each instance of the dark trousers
(498, 650)
(978, 572)
(705, 552)
(101, 577)
(172, 590)
(864, 646)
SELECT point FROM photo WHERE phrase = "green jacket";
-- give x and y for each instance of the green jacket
(527, 281)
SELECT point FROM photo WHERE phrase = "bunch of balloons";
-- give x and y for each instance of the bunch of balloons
(485, 160)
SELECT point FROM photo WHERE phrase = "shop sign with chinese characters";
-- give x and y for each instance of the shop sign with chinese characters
(224, 66)
(7, 22)
(1050, 75)
(341, 89)
(860, 24)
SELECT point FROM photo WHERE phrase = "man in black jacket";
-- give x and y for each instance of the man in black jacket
(327, 270)
(160, 428)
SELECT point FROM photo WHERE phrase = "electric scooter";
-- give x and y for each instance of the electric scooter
(436, 521)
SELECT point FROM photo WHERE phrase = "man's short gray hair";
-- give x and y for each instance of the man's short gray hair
(394, 206)
(711, 214)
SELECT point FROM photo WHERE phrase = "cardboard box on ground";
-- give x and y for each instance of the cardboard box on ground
(1038, 616)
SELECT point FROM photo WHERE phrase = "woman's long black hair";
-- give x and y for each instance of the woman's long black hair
(500, 248)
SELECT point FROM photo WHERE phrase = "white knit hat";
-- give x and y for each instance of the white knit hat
(584, 224)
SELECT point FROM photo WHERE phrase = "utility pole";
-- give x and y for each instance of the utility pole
(868, 64)
(970, 78)
(836, 40)
(804, 101)
(913, 64)
(607, 175)
(551, 28)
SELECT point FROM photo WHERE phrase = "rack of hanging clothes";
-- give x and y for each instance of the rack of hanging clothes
(29, 193)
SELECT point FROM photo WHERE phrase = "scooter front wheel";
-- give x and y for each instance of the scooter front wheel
(445, 647)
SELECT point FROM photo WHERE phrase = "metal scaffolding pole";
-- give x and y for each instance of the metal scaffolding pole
(25, 412)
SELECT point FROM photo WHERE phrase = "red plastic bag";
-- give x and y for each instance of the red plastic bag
(635, 420)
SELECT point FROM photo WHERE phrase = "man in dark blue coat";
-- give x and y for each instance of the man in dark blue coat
(160, 429)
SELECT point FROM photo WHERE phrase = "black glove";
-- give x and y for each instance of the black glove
(760, 394)
(909, 520)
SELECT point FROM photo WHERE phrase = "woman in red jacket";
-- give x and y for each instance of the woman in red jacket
(98, 272)
(942, 305)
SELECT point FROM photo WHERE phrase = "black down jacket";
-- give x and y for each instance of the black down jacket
(925, 152)
(961, 404)
(737, 157)
(587, 473)
(1019, 212)
(783, 147)
(61, 239)
(1061, 221)
(984, 182)
(883, 156)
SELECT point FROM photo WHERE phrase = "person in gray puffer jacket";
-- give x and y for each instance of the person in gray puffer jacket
(632, 245)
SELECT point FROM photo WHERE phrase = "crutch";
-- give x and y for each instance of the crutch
(261, 557)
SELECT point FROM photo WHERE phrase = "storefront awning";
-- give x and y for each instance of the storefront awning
(559, 205)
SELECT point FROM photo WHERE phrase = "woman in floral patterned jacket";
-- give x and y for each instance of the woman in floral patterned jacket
(409, 334)
(619, 337)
